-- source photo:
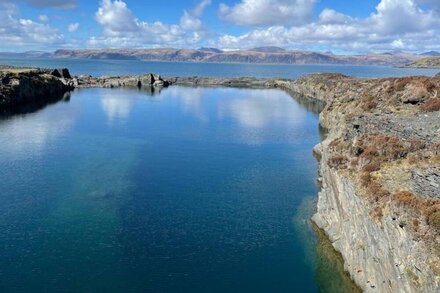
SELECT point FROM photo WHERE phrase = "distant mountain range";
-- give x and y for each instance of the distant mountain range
(431, 54)
(273, 55)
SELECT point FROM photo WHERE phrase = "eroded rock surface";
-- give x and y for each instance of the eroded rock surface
(379, 169)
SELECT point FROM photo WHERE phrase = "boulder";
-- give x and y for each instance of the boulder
(146, 80)
(61, 73)
(150, 79)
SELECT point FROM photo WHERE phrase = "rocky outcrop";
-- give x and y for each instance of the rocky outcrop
(136, 81)
(26, 86)
(379, 170)
(249, 82)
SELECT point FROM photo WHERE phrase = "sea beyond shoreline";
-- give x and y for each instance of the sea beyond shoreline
(108, 67)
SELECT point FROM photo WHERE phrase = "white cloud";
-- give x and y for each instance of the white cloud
(400, 20)
(190, 20)
(122, 29)
(268, 12)
(43, 18)
(16, 32)
(330, 16)
(398, 44)
(73, 27)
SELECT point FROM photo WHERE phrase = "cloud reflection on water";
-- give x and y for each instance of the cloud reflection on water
(115, 105)
(254, 111)
(27, 135)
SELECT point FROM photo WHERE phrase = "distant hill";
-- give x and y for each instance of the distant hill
(213, 50)
(274, 55)
(431, 54)
(430, 62)
(268, 49)
(28, 54)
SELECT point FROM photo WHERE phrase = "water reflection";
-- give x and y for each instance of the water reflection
(194, 193)
(260, 108)
(189, 99)
(28, 135)
(115, 106)
(33, 106)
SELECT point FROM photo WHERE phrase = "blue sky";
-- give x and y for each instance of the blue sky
(337, 25)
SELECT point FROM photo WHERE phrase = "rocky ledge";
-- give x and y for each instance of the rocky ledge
(136, 81)
(22, 86)
(380, 176)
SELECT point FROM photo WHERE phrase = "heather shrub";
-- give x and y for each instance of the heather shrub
(431, 105)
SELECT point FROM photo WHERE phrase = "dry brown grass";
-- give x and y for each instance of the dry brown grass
(431, 105)
(371, 167)
(378, 148)
(427, 208)
(337, 161)
(368, 103)
(433, 217)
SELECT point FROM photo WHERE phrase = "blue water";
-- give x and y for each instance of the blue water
(187, 190)
(123, 67)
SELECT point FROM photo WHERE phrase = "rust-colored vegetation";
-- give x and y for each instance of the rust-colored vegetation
(427, 208)
(431, 105)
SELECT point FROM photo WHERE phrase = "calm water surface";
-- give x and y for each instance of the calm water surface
(187, 190)
(121, 67)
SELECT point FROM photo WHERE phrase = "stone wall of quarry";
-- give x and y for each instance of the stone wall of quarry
(380, 177)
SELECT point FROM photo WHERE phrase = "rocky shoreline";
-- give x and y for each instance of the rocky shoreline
(23, 87)
(379, 164)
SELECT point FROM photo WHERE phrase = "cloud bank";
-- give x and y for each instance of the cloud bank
(296, 24)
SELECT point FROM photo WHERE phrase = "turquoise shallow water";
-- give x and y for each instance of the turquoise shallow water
(187, 190)
(121, 67)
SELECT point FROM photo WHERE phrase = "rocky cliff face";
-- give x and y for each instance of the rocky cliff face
(380, 175)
